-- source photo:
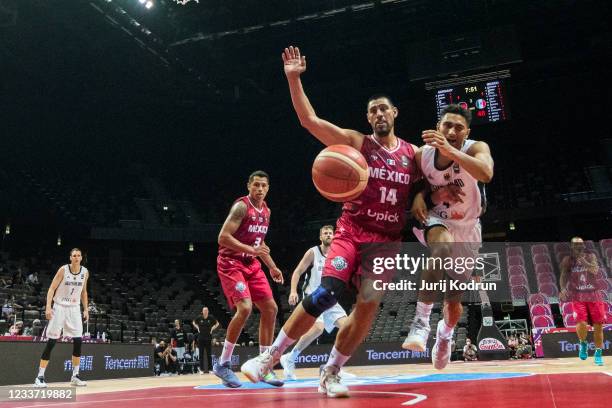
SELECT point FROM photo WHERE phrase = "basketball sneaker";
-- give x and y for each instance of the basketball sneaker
(270, 378)
(76, 380)
(225, 373)
(418, 335)
(441, 351)
(288, 367)
(39, 382)
(598, 357)
(584, 350)
(346, 374)
(329, 382)
(256, 368)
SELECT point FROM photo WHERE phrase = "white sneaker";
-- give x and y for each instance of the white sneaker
(441, 351)
(288, 367)
(39, 382)
(76, 380)
(418, 335)
(330, 382)
(256, 368)
(345, 374)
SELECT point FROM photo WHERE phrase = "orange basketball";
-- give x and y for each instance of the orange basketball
(340, 173)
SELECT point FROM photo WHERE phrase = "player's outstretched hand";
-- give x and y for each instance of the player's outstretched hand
(294, 63)
(419, 208)
(293, 298)
(48, 313)
(277, 275)
(436, 139)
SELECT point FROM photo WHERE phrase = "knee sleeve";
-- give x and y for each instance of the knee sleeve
(76, 346)
(324, 297)
(46, 355)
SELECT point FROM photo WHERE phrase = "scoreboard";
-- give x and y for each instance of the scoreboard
(486, 100)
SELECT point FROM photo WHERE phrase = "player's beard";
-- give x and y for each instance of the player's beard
(384, 132)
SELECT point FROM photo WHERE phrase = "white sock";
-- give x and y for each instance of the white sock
(444, 331)
(263, 349)
(423, 310)
(226, 354)
(295, 353)
(41, 371)
(336, 358)
(281, 343)
(75, 370)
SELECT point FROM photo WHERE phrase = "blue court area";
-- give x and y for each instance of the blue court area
(377, 380)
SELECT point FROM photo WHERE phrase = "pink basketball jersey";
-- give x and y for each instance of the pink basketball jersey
(252, 231)
(382, 205)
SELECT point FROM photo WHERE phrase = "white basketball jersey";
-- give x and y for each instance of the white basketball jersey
(68, 293)
(470, 210)
(314, 279)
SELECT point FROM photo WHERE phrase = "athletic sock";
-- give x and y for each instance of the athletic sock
(41, 371)
(281, 343)
(423, 310)
(336, 358)
(295, 353)
(226, 354)
(75, 370)
(444, 331)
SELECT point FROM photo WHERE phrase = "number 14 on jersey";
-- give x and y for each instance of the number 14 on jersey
(391, 196)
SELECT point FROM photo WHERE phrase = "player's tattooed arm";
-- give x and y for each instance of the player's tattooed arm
(230, 226)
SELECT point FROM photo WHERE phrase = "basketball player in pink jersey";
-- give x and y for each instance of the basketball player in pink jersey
(241, 242)
(376, 216)
(454, 166)
(578, 283)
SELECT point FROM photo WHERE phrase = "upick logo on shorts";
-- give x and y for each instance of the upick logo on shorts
(339, 263)
(240, 286)
(489, 343)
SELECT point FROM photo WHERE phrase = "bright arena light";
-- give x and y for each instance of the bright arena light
(142, 1)
(148, 5)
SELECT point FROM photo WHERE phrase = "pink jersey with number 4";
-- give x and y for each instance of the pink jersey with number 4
(382, 205)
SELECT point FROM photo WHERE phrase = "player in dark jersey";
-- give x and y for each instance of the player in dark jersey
(376, 216)
(241, 242)
(578, 281)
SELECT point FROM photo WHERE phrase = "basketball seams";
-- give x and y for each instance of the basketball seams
(339, 156)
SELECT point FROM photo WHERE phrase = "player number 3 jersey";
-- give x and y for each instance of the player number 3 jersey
(68, 293)
(252, 230)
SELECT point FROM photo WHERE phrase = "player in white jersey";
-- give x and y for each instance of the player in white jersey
(67, 292)
(453, 166)
(333, 317)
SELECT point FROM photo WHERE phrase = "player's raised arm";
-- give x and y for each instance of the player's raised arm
(231, 224)
(326, 132)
